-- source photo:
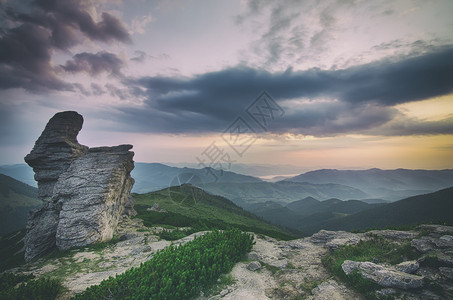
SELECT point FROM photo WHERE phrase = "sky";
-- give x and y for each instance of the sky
(344, 84)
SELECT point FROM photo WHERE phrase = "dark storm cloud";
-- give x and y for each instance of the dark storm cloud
(41, 29)
(359, 98)
(94, 64)
(410, 126)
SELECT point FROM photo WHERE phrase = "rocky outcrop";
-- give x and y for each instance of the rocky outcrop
(383, 276)
(55, 150)
(335, 239)
(86, 191)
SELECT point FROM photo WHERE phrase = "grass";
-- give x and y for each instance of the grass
(206, 212)
(376, 249)
(173, 235)
(308, 286)
(28, 288)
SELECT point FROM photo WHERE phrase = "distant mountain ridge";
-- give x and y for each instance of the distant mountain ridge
(282, 192)
(385, 184)
(434, 207)
(155, 176)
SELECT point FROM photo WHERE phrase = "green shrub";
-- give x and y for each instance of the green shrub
(39, 289)
(177, 272)
(172, 235)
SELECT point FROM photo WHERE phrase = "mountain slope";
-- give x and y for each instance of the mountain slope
(21, 172)
(385, 184)
(187, 205)
(434, 207)
(16, 200)
(308, 215)
(154, 176)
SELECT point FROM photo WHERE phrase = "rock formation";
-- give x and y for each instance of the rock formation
(55, 150)
(85, 190)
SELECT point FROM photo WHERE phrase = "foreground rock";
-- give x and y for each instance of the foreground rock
(86, 191)
(383, 276)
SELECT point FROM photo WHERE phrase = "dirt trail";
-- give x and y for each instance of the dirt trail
(290, 270)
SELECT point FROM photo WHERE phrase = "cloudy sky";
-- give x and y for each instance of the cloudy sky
(349, 83)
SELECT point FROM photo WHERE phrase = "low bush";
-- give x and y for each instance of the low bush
(177, 272)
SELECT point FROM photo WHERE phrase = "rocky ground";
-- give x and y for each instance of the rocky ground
(273, 269)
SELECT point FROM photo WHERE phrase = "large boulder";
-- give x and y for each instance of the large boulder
(335, 239)
(93, 193)
(86, 191)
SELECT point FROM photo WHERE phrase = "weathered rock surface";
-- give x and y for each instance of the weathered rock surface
(383, 276)
(55, 150)
(335, 239)
(394, 235)
(253, 266)
(93, 193)
(409, 267)
(87, 191)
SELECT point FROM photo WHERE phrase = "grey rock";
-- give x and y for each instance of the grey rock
(225, 292)
(342, 241)
(447, 272)
(279, 263)
(41, 230)
(423, 245)
(436, 230)
(409, 267)
(383, 276)
(386, 291)
(86, 191)
(342, 237)
(93, 193)
(55, 150)
(395, 235)
(445, 241)
(294, 244)
(253, 266)
(156, 208)
(140, 250)
(129, 207)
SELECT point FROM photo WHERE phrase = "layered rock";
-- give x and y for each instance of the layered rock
(86, 191)
(55, 150)
(383, 276)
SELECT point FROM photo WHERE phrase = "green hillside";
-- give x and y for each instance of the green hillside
(16, 200)
(435, 207)
(189, 206)
(308, 215)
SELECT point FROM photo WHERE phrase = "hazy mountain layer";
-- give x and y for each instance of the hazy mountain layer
(385, 184)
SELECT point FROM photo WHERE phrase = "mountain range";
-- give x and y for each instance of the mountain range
(384, 184)
(370, 184)
(333, 199)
